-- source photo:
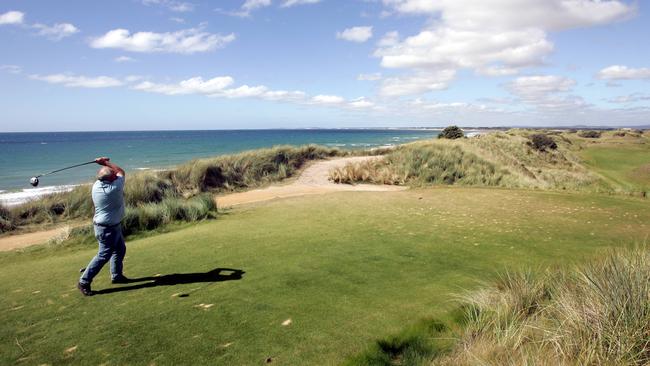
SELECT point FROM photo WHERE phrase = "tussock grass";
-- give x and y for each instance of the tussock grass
(496, 159)
(598, 314)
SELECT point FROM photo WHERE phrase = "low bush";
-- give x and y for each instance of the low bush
(451, 132)
(590, 134)
(541, 142)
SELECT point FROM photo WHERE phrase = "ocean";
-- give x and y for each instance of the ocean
(23, 155)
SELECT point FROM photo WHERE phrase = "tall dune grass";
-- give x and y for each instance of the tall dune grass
(596, 315)
(156, 198)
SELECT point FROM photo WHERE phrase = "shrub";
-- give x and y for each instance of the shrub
(590, 134)
(451, 132)
(541, 142)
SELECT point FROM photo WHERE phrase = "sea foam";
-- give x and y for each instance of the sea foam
(28, 194)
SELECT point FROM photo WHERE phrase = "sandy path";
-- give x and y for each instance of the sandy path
(24, 240)
(313, 180)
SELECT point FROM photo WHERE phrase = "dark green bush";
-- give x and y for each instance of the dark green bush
(451, 132)
(590, 134)
(541, 142)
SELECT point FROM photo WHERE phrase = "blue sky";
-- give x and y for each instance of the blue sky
(172, 64)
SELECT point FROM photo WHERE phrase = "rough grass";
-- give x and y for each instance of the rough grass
(597, 314)
(496, 159)
(351, 270)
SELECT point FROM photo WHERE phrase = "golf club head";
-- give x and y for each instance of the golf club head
(33, 181)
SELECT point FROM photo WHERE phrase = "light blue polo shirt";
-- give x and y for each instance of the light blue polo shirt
(108, 198)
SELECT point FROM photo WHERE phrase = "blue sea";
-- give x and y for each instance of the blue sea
(23, 155)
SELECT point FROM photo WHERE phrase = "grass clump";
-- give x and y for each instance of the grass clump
(596, 315)
(6, 220)
(451, 133)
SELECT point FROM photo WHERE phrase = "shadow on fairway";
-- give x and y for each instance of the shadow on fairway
(216, 275)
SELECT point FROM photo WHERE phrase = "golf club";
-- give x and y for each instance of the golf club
(34, 180)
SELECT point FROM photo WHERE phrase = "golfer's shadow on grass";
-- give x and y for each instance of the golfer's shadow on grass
(216, 275)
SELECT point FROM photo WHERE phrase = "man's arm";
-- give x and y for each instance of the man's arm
(106, 162)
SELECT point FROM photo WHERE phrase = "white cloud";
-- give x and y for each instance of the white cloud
(195, 85)
(177, 6)
(185, 41)
(619, 72)
(57, 31)
(247, 7)
(369, 77)
(327, 99)
(12, 17)
(290, 3)
(283, 95)
(546, 91)
(360, 103)
(177, 20)
(416, 84)
(71, 80)
(122, 59)
(491, 37)
(355, 34)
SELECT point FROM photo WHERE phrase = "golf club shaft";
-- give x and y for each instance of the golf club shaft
(58, 170)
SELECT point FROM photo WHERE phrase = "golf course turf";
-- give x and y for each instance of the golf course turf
(340, 271)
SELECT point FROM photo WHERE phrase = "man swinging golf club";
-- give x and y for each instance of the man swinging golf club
(108, 198)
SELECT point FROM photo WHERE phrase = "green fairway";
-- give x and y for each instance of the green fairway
(346, 268)
(626, 166)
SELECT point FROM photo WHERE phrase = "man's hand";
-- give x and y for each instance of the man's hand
(102, 161)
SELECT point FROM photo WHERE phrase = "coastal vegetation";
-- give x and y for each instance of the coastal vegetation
(551, 160)
(183, 193)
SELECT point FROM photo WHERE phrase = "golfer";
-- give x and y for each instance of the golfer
(108, 198)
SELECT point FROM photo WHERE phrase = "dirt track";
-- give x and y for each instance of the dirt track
(313, 180)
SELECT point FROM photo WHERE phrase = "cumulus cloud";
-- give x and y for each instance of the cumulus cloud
(57, 31)
(185, 41)
(12, 17)
(546, 91)
(620, 72)
(491, 37)
(290, 3)
(360, 103)
(416, 84)
(78, 81)
(355, 34)
(176, 6)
